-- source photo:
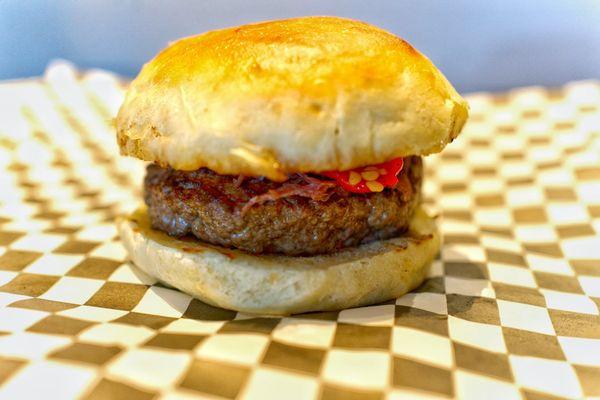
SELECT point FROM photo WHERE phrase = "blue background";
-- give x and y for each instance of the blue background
(479, 45)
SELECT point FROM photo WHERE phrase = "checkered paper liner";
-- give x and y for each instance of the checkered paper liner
(510, 308)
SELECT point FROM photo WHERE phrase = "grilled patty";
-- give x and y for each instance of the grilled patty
(215, 208)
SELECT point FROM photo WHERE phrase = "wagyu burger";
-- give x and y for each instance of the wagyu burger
(285, 164)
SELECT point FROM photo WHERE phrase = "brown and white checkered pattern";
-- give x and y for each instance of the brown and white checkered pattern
(510, 310)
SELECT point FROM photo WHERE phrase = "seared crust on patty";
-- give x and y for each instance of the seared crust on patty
(211, 207)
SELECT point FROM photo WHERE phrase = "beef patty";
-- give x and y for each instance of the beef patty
(302, 216)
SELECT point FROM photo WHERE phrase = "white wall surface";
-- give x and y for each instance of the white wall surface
(479, 45)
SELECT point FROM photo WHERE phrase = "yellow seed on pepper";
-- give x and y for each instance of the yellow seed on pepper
(370, 175)
(375, 186)
(353, 178)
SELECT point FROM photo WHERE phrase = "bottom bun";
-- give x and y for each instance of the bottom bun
(282, 285)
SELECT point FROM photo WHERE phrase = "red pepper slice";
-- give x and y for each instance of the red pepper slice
(372, 178)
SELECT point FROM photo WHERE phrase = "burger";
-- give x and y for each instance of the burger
(285, 167)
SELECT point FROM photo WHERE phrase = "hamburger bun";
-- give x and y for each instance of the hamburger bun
(298, 95)
(282, 285)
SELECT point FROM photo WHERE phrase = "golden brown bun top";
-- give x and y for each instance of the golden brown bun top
(315, 56)
(303, 94)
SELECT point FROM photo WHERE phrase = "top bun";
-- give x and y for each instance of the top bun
(298, 95)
